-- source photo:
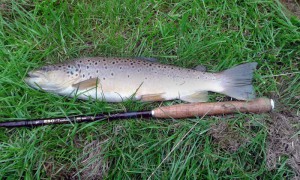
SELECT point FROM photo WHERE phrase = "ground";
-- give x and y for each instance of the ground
(182, 33)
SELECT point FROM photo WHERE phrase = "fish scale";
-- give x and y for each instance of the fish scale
(119, 79)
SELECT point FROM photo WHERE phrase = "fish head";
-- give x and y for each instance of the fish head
(50, 78)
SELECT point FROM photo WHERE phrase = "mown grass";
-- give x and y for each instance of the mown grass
(184, 33)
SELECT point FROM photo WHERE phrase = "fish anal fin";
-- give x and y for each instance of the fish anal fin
(86, 84)
(196, 97)
(153, 97)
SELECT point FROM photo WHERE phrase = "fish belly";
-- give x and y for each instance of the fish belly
(104, 95)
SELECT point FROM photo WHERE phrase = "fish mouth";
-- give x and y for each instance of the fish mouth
(39, 79)
(34, 74)
(34, 77)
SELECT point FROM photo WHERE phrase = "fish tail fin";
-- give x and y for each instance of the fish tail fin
(237, 81)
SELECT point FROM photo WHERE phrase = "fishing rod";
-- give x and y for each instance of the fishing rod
(260, 105)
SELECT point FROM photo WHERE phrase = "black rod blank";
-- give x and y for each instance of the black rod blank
(259, 105)
(75, 119)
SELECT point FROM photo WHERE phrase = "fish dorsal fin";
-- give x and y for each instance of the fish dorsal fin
(200, 68)
(147, 59)
(152, 97)
(196, 97)
(86, 84)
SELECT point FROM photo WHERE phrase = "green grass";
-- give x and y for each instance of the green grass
(183, 33)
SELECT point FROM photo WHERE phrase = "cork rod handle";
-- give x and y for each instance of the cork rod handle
(260, 105)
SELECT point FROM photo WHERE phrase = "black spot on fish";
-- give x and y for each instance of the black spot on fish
(104, 78)
(112, 74)
(87, 67)
(96, 63)
(120, 67)
(127, 75)
(113, 62)
(83, 75)
(97, 71)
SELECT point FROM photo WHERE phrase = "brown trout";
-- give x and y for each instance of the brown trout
(119, 79)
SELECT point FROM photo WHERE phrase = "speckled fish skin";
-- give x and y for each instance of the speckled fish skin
(118, 79)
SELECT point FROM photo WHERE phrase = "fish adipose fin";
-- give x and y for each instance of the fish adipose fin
(237, 81)
(196, 97)
(86, 84)
(147, 59)
(200, 68)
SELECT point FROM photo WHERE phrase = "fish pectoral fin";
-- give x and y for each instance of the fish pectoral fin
(86, 84)
(152, 97)
(196, 97)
